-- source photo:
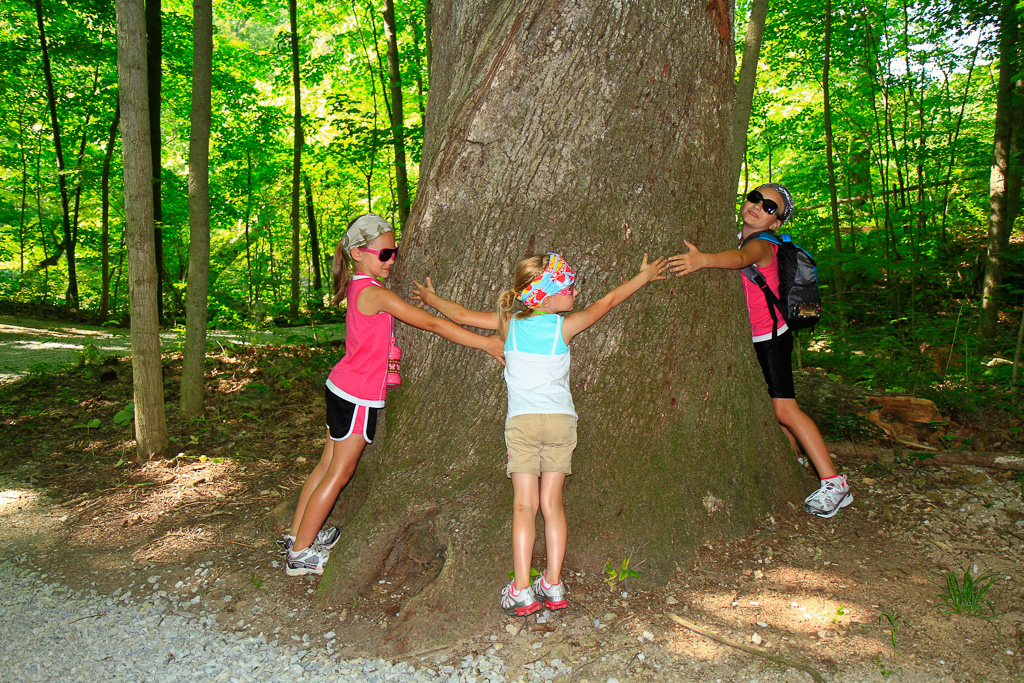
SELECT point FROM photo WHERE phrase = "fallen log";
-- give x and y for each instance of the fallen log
(996, 460)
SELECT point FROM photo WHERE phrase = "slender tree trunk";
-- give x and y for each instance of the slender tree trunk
(248, 219)
(194, 362)
(23, 204)
(421, 98)
(955, 136)
(833, 195)
(105, 219)
(746, 84)
(314, 240)
(428, 37)
(154, 68)
(999, 218)
(397, 113)
(62, 181)
(150, 420)
(296, 157)
(492, 188)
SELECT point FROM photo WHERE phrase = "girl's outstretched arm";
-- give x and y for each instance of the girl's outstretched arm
(373, 300)
(754, 251)
(577, 322)
(457, 313)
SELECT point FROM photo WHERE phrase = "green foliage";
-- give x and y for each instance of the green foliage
(967, 595)
(125, 416)
(614, 575)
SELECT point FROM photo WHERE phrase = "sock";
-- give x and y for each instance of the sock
(544, 582)
(512, 589)
(837, 480)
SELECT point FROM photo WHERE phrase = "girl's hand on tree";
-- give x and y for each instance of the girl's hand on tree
(495, 346)
(684, 264)
(422, 293)
(653, 271)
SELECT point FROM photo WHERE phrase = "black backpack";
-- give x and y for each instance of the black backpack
(799, 299)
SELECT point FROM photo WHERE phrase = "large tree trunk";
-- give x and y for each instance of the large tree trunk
(150, 421)
(397, 114)
(194, 362)
(746, 83)
(293, 309)
(583, 130)
(69, 242)
(154, 67)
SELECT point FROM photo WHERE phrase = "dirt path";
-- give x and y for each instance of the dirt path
(26, 343)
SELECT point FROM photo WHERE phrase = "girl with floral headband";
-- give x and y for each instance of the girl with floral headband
(540, 426)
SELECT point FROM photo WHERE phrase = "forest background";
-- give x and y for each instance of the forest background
(885, 131)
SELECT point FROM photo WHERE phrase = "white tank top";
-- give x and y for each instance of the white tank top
(537, 382)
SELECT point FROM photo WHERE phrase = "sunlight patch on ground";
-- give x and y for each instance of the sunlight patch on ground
(789, 608)
(13, 499)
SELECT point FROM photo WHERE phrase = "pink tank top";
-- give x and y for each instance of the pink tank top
(757, 306)
(359, 377)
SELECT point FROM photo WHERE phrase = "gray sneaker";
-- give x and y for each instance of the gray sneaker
(326, 539)
(310, 560)
(826, 501)
(521, 605)
(553, 597)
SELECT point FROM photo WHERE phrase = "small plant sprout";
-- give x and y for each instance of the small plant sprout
(613, 575)
(1018, 476)
(254, 580)
(124, 418)
(967, 596)
(893, 618)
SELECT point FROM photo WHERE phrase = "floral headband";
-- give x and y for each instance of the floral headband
(557, 277)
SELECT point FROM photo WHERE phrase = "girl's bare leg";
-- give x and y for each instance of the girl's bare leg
(312, 481)
(525, 503)
(555, 527)
(798, 425)
(343, 460)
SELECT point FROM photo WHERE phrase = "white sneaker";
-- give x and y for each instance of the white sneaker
(309, 560)
(826, 501)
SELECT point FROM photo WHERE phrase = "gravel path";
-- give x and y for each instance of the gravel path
(51, 633)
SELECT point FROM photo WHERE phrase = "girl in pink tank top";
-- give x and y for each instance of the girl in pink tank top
(357, 386)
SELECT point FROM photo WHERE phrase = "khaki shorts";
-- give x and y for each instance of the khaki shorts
(540, 443)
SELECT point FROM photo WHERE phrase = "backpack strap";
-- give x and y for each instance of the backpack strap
(753, 274)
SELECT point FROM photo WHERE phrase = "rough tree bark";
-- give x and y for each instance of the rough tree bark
(194, 362)
(601, 131)
(147, 375)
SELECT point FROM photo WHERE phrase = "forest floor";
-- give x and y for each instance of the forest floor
(858, 597)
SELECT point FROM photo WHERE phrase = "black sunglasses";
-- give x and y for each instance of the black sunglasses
(770, 207)
(385, 254)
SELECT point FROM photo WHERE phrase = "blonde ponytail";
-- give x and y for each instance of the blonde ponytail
(342, 272)
(527, 270)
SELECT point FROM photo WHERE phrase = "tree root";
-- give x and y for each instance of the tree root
(781, 661)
